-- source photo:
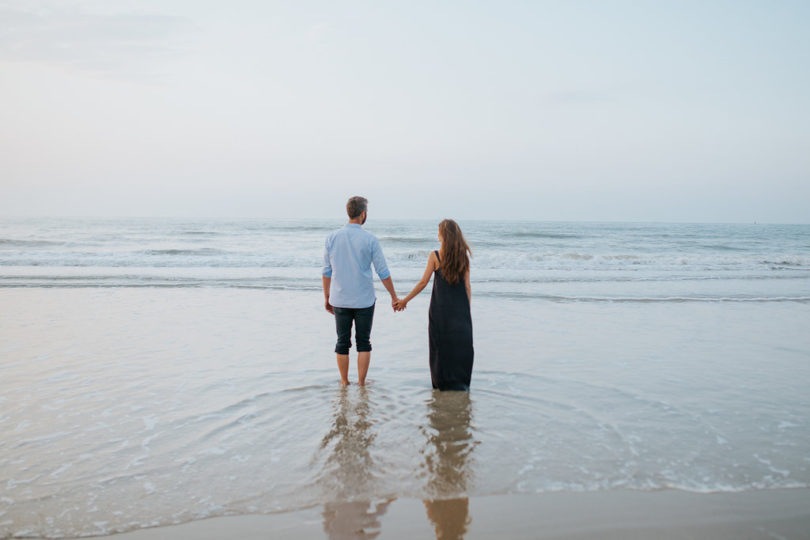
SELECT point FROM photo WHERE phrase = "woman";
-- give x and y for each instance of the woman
(450, 328)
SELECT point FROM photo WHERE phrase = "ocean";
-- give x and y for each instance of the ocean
(546, 261)
(157, 371)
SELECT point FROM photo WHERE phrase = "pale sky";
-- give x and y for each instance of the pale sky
(568, 110)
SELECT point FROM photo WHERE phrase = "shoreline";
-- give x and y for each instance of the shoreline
(666, 514)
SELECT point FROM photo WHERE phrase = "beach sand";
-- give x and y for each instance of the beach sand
(783, 513)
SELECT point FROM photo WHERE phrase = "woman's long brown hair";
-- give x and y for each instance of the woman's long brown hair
(454, 258)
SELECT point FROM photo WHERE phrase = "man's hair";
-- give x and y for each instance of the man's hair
(356, 206)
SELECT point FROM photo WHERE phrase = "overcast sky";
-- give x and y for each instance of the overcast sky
(605, 110)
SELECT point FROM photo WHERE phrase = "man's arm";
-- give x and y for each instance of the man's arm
(327, 283)
(388, 283)
(327, 277)
(378, 259)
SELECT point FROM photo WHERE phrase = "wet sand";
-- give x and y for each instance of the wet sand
(147, 408)
(782, 513)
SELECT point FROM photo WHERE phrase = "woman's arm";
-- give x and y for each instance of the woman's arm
(429, 269)
(467, 285)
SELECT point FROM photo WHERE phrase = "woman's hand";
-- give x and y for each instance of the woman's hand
(400, 305)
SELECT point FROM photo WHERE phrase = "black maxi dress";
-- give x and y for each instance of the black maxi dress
(450, 334)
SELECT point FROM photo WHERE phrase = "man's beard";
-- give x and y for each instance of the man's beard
(364, 220)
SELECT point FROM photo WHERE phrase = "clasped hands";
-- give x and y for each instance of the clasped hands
(398, 304)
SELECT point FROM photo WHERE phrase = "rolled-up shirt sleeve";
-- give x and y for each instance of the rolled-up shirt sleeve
(327, 263)
(378, 259)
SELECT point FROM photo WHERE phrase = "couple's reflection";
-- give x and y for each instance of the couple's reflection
(350, 469)
(447, 459)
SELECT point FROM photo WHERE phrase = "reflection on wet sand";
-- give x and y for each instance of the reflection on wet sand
(447, 459)
(349, 469)
(450, 517)
(353, 519)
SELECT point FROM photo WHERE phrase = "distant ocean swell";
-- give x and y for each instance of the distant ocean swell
(606, 261)
(214, 258)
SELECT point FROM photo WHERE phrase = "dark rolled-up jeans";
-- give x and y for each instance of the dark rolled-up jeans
(362, 318)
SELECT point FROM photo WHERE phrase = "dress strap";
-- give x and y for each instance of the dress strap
(437, 255)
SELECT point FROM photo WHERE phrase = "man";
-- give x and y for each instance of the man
(348, 286)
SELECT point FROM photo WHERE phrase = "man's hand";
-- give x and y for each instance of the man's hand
(400, 305)
(329, 307)
(394, 302)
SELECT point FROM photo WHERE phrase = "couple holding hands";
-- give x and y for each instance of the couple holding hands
(348, 287)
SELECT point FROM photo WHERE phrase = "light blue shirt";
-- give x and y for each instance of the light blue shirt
(347, 259)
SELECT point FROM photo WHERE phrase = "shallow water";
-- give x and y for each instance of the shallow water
(129, 407)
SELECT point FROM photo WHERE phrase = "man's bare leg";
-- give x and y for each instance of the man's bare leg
(343, 367)
(363, 360)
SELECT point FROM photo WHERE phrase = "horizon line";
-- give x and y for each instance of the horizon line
(335, 219)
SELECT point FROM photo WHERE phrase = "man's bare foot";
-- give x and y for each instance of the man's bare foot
(345, 382)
